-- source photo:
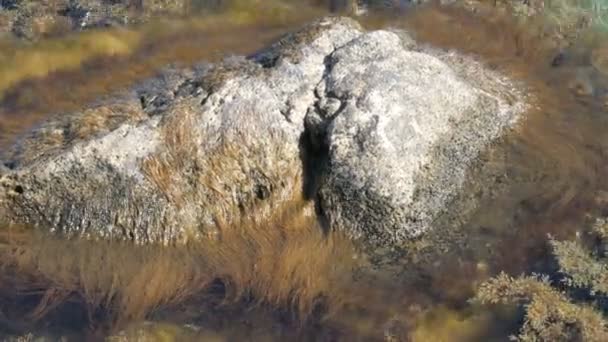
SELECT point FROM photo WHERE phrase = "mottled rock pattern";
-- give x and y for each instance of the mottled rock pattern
(380, 130)
(408, 126)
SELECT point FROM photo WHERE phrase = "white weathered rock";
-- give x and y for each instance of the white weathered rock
(409, 126)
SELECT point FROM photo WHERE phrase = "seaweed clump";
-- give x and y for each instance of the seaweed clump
(568, 306)
(103, 286)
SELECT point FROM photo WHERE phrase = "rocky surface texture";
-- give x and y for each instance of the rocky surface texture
(407, 129)
(36, 19)
(380, 130)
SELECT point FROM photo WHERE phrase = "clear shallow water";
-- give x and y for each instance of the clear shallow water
(554, 164)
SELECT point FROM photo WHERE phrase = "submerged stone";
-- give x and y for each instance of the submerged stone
(380, 130)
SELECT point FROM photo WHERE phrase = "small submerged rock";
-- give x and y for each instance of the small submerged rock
(381, 130)
(586, 73)
(599, 59)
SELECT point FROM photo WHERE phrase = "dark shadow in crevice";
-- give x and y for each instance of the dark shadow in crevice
(314, 154)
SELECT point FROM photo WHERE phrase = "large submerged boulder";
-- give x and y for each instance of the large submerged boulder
(378, 129)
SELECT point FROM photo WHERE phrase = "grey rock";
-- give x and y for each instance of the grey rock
(411, 124)
(381, 130)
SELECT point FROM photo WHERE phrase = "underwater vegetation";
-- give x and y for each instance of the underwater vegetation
(116, 283)
(564, 12)
(568, 306)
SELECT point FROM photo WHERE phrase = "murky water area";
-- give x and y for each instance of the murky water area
(555, 163)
